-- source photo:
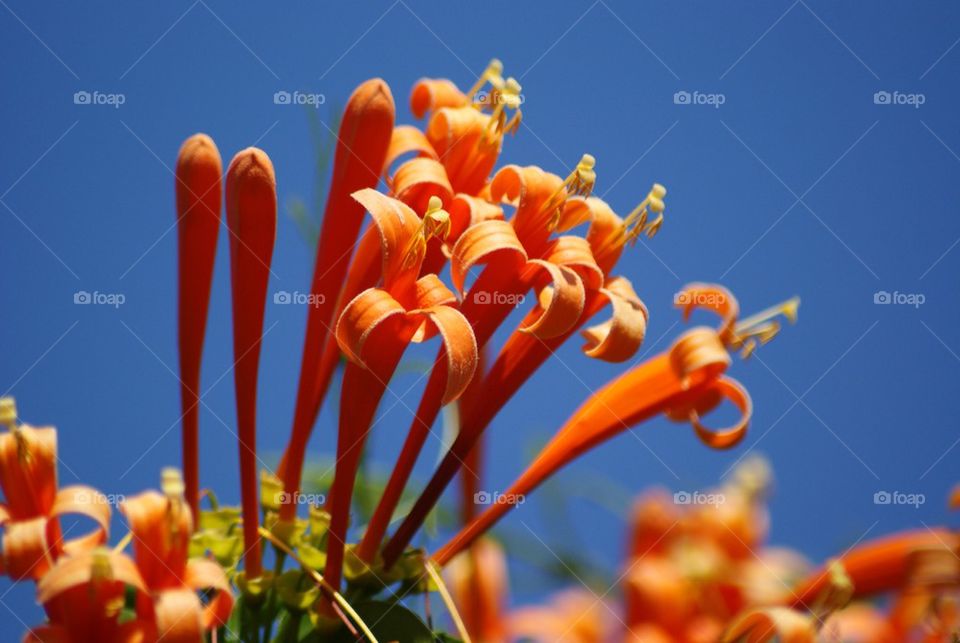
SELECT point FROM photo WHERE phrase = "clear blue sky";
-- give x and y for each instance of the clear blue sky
(799, 183)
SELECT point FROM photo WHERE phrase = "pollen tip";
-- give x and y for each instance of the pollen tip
(8, 411)
(171, 482)
(791, 308)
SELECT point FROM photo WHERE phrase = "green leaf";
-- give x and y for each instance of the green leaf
(388, 622)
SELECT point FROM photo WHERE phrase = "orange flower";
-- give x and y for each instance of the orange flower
(478, 583)
(683, 383)
(161, 525)
(198, 223)
(251, 196)
(375, 329)
(32, 538)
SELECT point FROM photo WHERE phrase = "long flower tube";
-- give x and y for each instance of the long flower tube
(251, 196)
(683, 383)
(615, 340)
(30, 517)
(375, 329)
(415, 182)
(199, 194)
(362, 144)
(517, 255)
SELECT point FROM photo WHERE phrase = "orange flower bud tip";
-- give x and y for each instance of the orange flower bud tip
(371, 98)
(253, 165)
(198, 149)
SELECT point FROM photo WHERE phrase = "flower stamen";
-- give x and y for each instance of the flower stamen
(762, 327)
(502, 99)
(580, 182)
(434, 224)
(636, 223)
(492, 74)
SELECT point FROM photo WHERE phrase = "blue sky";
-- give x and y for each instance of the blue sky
(787, 174)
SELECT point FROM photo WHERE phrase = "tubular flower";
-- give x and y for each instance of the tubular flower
(478, 583)
(416, 170)
(362, 145)
(198, 223)
(251, 195)
(161, 525)
(615, 340)
(516, 256)
(375, 329)
(32, 537)
(683, 383)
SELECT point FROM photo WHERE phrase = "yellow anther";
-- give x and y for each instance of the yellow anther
(759, 329)
(492, 74)
(8, 412)
(637, 222)
(503, 98)
(171, 482)
(580, 182)
(100, 568)
(435, 224)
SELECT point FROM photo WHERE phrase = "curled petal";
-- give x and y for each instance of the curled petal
(407, 139)
(103, 565)
(203, 574)
(28, 470)
(710, 297)
(430, 292)
(416, 180)
(574, 252)
(460, 137)
(360, 319)
(459, 346)
(723, 388)
(483, 243)
(606, 234)
(161, 530)
(560, 301)
(466, 210)
(531, 190)
(772, 624)
(26, 551)
(617, 339)
(699, 355)
(85, 501)
(398, 225)
(431, 94)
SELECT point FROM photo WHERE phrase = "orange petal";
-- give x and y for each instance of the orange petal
(459, 346)
(407, 139)
(483, 243)
(574, 252)
(560, 301)
(431, 94)
(713, 298)
(617, 339)
(606, 234)
(28, 470)
(531, 190)
(398, 225)
(478, 583)
(85, 501)
(203, 574)
(27, 553)
(416, 180)
(179, 616)
(81, 569)
(733, 391)
(465, 211)
(361, 317)
(772, 624)
(161, 535)
(460, 137)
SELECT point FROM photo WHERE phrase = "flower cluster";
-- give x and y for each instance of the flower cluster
(699, 570)
(436, 201)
